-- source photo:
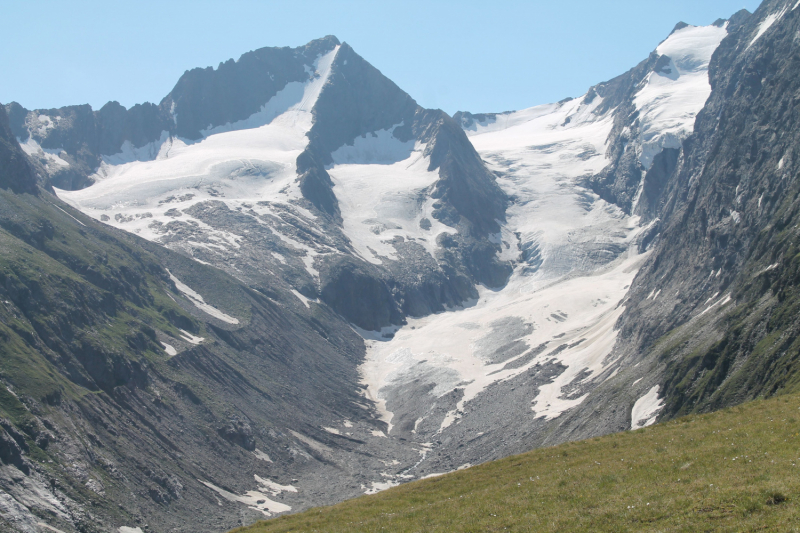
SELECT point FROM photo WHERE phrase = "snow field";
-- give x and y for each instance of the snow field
(382, 185)
(247, 161)
(578, 260)
(671, 98)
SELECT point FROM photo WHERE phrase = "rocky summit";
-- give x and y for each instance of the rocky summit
(288, 284)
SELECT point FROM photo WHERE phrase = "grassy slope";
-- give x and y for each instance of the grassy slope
(733, 470)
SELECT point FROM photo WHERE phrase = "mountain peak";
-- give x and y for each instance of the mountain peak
(679, 26)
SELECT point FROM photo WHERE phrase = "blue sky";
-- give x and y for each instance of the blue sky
(456, 55)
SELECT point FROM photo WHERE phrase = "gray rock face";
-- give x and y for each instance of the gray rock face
(237, 89)
(726, 211)
(17, 173)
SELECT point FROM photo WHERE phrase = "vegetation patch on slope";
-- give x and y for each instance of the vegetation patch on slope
(733, 470)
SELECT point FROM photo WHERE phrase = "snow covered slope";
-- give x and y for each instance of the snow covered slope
(575, 257)
(239, 164)
(546, 340)
(337, 184)
(672, 95)
(382, 185)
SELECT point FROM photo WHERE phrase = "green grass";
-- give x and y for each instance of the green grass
(733, 470)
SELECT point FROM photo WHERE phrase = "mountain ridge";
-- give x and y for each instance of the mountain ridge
(336, 290)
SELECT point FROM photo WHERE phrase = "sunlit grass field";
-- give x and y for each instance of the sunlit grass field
(733, 470)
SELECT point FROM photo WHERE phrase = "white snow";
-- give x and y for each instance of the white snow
(721, 302)
(577, 264)
(542, 158)
(382, 186)
(126, 529)
(128, 153)
(188, 337)
(70, 216)
(379, 147)
(378, 486)
(50, 157)
(244, 162)
(645, 410)
(261, 455)
(274, 488)
(198, 301)
(306, 301)
(171, 351)
(669, 101)
(42, 124)
(767, 23)
(257, 499)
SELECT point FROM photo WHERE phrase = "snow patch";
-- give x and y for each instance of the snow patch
(255, 499)
(767, 23)
(42, 124)
(129, 153)
(274, 488)
(188, 337)
(70, 216)
(50, 157)
(645, 410)
(198, 301)
(380, 147)
(171, 351)
(261, 455)
(378, 486)
(720, 303)
(306, 301)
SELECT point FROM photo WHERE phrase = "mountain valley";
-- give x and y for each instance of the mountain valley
(288, 284)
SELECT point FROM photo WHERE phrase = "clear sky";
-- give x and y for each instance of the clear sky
(476, 55)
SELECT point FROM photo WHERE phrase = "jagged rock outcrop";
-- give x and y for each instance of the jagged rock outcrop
(724, 259)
